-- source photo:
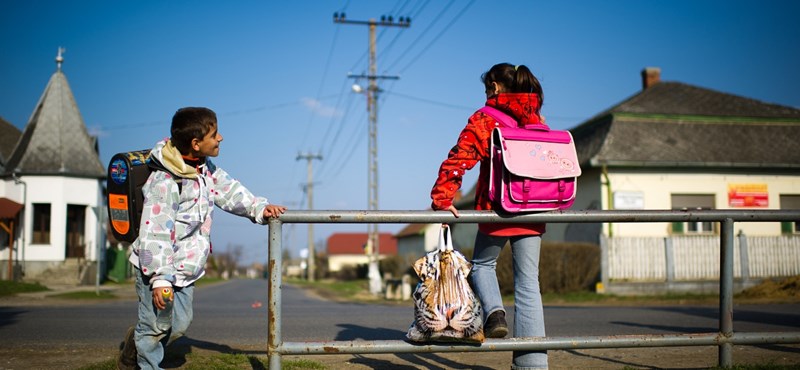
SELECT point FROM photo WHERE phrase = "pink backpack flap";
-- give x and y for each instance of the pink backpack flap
(533, 168)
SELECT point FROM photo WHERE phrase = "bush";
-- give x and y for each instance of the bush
(563, 267)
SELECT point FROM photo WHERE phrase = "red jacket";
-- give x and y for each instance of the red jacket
(473, 147)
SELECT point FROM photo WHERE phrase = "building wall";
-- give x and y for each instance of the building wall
(13, 192)
(656, 190)
(588, 197)
(337, 262)
(59, 192)
(411, 245)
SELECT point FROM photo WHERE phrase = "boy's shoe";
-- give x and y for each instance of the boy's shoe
(127, 356)
(496, 326)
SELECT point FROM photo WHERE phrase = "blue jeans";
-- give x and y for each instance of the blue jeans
(528, 310)
(150, 338)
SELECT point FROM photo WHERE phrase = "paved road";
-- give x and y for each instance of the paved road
(233, 315)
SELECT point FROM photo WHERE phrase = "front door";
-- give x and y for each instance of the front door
(76, 222)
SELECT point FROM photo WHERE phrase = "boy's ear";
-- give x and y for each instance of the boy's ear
(196, 145)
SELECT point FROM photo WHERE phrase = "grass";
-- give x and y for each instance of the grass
(346, 289)
(757, 367)
(8, 288)
(85, 295)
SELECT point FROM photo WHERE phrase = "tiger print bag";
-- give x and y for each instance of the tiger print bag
(445, 307)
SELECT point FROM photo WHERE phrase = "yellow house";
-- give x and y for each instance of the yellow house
(677, 146)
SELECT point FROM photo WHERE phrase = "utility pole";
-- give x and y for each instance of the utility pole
(309, 189)
(373, 245)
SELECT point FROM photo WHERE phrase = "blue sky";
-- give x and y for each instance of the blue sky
(276, 73)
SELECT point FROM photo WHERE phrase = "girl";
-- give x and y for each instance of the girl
(517, 92)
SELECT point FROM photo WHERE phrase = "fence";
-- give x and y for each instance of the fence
(725, 338)
(696, 258)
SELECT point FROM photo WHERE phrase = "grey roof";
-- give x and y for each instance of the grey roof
(673, 124)
(9, 135)
(55, 140)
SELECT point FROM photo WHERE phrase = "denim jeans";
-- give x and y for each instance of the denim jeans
(150, 339)
(528, 311)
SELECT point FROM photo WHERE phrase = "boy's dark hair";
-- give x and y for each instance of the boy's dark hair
(515, 79)
(191, 123)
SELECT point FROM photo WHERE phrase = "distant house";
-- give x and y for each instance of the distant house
(414, 240)
(54, 173)
(348, 249)
(678, 146)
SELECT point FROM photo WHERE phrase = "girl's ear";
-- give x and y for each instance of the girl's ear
(498, 88)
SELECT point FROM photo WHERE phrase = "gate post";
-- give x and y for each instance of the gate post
(726, 292)
(274, 266)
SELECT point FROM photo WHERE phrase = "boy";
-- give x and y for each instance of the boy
(174, 237)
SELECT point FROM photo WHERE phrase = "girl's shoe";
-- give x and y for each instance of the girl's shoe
(496, 326)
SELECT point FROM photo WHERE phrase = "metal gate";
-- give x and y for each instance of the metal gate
(725, 338)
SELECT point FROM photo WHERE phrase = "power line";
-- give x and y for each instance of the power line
(447, 105)
(438, 36)
(424, 32)
(219, 114)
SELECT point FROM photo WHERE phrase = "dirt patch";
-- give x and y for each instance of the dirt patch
(787, 288)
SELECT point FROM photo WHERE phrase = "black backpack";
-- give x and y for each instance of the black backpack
(127, 173)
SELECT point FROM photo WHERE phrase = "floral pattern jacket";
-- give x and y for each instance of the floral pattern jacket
(472, 148)
(175, 232)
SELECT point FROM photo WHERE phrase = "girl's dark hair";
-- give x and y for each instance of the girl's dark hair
(191, 123)
(515, 79)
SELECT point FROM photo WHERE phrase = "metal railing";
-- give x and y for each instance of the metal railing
(725, 338)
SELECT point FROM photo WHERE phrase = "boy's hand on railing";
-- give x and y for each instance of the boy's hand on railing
(274, 210)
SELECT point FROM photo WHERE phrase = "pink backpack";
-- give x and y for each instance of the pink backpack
(532, 168)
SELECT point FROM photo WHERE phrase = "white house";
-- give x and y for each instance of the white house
(54, 173)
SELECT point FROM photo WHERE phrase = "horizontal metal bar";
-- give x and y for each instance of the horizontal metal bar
(529, 344)
(593, 216)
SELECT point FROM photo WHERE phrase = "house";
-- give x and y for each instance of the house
(414, 240)
(678, 146)
(349, 249)
(54, 173)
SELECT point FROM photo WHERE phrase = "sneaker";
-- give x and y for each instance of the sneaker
(127, 356)
(495, 326)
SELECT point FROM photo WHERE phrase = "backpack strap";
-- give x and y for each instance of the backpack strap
(499, 116)
(509, 121)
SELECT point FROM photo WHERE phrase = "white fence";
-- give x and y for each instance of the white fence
(696, 258)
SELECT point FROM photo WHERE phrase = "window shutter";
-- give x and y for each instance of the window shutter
(677, 227)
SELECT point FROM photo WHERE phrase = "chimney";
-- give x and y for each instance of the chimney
(650, 77)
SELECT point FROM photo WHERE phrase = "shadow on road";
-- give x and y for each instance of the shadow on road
(354, 332)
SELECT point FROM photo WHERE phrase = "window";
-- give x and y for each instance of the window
(790, 202)
(41, 223)
(692, 202)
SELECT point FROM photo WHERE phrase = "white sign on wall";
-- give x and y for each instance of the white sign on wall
(628, 200)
